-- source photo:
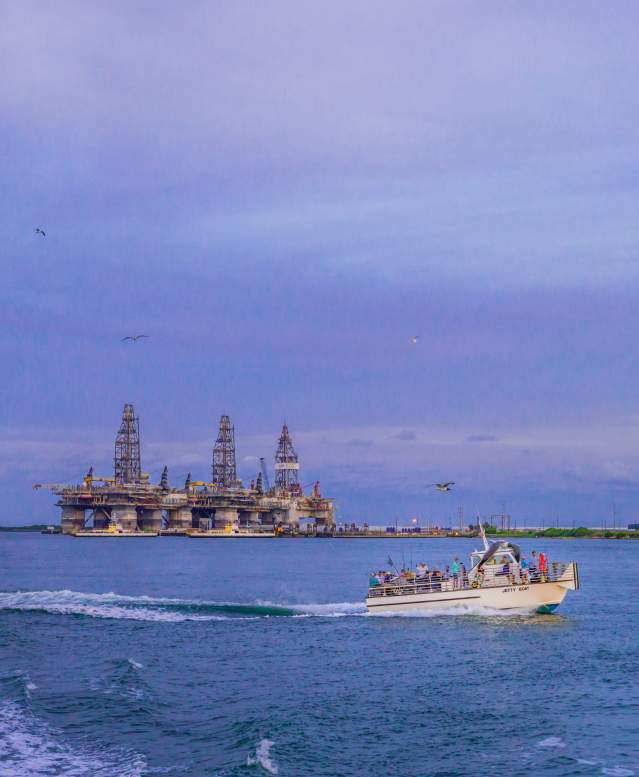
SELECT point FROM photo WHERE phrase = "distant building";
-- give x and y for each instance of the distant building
(633, 526)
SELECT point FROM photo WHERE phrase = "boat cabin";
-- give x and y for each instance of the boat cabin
(493, 558)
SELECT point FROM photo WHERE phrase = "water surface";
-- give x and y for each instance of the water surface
(248, 657)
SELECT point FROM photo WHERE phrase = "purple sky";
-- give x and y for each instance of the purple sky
(281, 194)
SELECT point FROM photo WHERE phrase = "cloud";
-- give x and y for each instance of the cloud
(405, 434)
(358, 443)
(482, 438)
(330, 205)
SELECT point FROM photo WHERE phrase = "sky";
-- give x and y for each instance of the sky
(281, 195)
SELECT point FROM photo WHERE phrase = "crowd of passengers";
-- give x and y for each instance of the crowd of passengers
(531, 570)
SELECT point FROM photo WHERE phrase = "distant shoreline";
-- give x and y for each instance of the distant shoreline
(581, 533)
(33, 527)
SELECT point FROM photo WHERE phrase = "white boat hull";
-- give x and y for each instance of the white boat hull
(544, 597)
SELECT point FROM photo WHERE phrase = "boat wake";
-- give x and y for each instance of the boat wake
(140, 608)
(29, 746)
(457, 611)
(167, 610)
(161, 609)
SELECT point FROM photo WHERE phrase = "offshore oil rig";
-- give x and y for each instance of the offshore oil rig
(129, 503)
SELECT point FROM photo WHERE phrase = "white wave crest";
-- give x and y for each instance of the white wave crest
(557, 742)
(30, 747)
(110, 606)
(150, 608)
(330, 610)
(617, 771)
(456, 611)
(262, 757)
(135, 664)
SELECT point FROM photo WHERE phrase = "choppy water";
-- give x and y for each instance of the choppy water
(228, 657)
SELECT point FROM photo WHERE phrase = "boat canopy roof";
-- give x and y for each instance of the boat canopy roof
(500, 546)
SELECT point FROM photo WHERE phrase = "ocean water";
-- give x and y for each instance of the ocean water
(186, 657)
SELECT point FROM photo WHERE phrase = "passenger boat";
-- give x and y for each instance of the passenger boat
(498, 579)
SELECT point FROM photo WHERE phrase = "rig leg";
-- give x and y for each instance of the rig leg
(72, 519)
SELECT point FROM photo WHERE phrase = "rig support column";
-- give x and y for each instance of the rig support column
(291, 517)
(249, 518)
(101, 518)
(125, 516)
(225, 517)
(151, 520)
(274, 517)
(181, 518)
(204, 522)
(72, 519)
(325, 518)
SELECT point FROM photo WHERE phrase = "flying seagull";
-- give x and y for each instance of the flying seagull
(40, 231)
(442, 486)
(414, 339)
(132, 338)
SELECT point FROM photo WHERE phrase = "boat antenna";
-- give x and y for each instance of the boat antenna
(482, 533)
(391, 563)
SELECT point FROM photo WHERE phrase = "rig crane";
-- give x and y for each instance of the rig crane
(90, 479)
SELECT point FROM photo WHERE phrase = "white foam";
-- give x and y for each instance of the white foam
(162, 609)
(135, 664)
(120, 606)
(98, 606)
(617, 771)
(456, 611)
(586, 762)
(331, 610)
(30, 747)
(557, 742)
(262, 757)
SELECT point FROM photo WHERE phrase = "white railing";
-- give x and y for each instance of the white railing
(433, 583)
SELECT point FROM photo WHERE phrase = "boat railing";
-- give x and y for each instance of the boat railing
(552, 573)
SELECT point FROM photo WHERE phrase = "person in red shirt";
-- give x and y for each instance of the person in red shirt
(543, 563)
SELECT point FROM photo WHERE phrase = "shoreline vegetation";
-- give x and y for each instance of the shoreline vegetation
(30, 527)
(581, 532)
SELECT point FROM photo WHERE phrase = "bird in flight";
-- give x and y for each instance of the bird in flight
(442, 486)
(132, 338)
(414, 339)
(40, 231)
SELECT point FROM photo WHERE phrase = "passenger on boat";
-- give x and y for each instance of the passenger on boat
(543, 564)
(532, 567)
(422, 570)
(454, 570)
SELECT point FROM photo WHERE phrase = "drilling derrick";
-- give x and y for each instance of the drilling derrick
(287, 468)
(224, 471)
(127, 449)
